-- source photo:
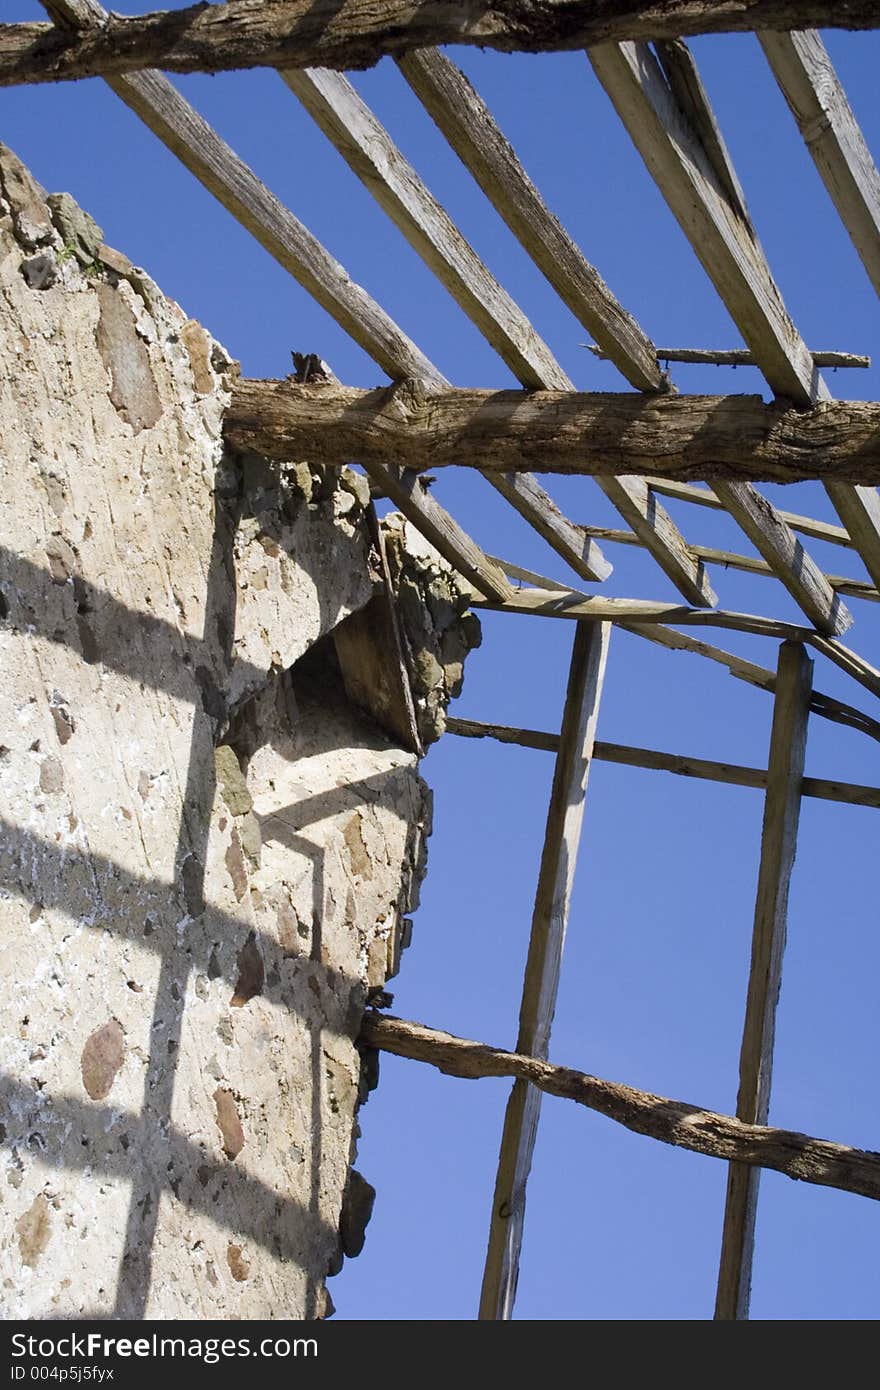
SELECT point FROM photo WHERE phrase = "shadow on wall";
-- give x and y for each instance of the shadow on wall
(214, 966)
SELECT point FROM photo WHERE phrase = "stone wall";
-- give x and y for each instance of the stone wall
(208, 852)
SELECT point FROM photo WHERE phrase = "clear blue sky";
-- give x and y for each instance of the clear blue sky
(653, 983)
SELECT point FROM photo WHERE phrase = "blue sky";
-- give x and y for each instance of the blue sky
(653, 983)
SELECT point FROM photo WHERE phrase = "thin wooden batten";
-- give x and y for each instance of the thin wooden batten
(541, 979)
(680, 764)
(788, 742)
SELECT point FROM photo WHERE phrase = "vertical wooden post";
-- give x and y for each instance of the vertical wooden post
(541, 982)
(778, 845)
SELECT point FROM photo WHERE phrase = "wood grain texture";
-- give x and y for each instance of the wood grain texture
(468, 125)
(774, 539)
(799, 1156)
(667, 119)
(680, 764)
(580, 551)
(590, 433)
(356, 33)
(788, 741)
(541, 980)
(818, 102)
(370, 152)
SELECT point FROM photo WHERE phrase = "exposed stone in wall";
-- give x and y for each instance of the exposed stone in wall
(207, 853)
(440, 630)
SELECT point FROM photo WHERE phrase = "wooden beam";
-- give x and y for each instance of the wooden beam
(586, 433)
(729, 559)
(680, 764)
(668, 114)
(705, 497)
(468, 125)
(817, 101)
(793, 566)
(419, 506)
(356, 33)
(558, 603)
(788, 742)
(371, 153)
(735, 357)
(541, 981)
(838, 711)
(798, 1156)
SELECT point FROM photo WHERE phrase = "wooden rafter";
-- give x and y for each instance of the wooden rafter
(361, 139)
(788, 742)
(541, 981)
(798, 1156)
(356, 33)
(680, 764)
(464, 119)
(832, 135)
(667, 114)
(346, 120)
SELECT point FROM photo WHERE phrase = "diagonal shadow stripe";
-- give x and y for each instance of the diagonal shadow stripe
(100, 628)
(102, 1139)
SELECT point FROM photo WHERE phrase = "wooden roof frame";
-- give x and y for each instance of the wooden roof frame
(639, 446)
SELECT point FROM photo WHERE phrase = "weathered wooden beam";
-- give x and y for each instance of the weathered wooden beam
(419, 506)
(164, 111)
(729, 559)
(799, 1156)
(557, 603)
(590, 433)
(541, 980)
(468, 125)
(670, 120)
(774, 539)
(832, 135)
(369, 150)
(838, 711)
(705, 497)
(680, 764)
(356, 33)
(580, 551)
(788, 742)
(734, 357)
